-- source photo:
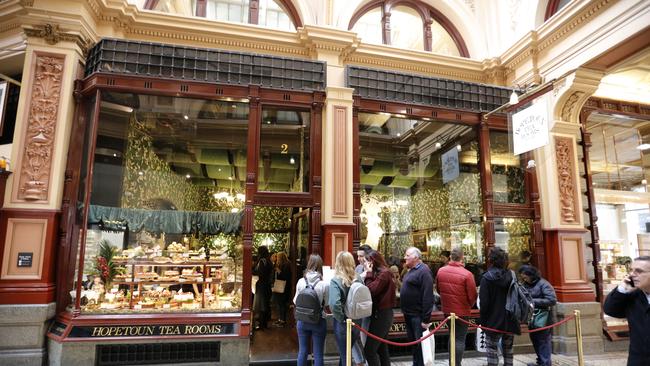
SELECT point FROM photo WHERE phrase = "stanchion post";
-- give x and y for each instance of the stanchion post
(581, 359)
(452, 340)
(348, 342)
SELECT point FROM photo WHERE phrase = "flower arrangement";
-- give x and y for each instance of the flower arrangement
(104, 267)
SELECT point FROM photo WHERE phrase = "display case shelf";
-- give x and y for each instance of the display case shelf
(134, 294)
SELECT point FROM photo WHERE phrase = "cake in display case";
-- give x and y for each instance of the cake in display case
(152, 279)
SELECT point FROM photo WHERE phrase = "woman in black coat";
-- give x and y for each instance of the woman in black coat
(262, 302)
(492, 297)
(544, 298)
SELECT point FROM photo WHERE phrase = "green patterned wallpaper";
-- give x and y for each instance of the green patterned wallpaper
(449, 211)
(147, 177)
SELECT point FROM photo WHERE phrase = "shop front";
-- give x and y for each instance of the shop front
(617, 133)
(173, 184)
(438, 174)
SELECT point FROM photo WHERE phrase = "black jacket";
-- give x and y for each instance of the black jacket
(633, 306)
(542, 293)
(492, 297)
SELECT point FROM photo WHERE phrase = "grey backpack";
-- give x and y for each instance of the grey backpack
(358, 304)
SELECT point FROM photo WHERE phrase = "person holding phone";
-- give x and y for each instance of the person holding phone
(631, 300)
(379, 280)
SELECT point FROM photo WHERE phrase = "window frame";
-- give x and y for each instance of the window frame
(428, 13)
(75, 221)
(253, 10)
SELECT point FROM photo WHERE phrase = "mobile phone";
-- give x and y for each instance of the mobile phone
(630, 282)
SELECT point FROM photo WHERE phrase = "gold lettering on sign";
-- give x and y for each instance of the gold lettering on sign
(38, 144)
(202, 329)
(397, 328)
(154, 330)
(123, 331)
(285, 149)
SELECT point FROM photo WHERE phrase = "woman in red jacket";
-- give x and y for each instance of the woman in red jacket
(379, 280)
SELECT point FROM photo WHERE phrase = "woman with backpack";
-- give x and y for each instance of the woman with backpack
(312, 333)
(493, 294)
(379, 280)
(344, 275)
(544, 298)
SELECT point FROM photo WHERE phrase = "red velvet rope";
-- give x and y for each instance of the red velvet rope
(402, 344)
(473, 326)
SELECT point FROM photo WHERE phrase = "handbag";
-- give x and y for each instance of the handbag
(540, 319)
(254, 279)
(428, 349)
(480, 340)
(278, 285)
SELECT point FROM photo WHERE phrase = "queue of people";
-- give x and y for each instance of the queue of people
(416, 291)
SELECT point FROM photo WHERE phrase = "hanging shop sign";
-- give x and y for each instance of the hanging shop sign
(154, 330)
(530, 127)
(450, 169)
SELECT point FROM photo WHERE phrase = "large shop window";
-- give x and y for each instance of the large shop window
(420, 185)
(619, 160)
(508, 181)
(163, 228)
(284, 150)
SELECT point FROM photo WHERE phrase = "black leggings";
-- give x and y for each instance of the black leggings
(377, 352)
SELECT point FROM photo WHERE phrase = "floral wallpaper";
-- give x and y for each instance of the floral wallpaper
(450, 211)
(272, 218)
(514, 190)
(520, 235)
(148, 178)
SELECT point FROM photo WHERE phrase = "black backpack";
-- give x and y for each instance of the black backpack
(519, 304)
(308, 307)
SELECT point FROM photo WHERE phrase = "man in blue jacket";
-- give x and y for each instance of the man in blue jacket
(416, 299)
(631, 300)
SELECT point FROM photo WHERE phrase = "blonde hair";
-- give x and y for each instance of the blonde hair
(281, 259)
(344, 268)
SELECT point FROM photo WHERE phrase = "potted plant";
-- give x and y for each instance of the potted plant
(103, 265)
(624, 261)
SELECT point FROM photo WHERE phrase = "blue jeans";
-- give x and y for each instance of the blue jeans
(542, 344)
(414, 331)
(314, 334)
(340, 335)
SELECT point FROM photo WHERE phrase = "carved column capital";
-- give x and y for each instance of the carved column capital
(53, 34)
(572, 92)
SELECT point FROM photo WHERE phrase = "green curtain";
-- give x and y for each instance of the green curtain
(168, 221)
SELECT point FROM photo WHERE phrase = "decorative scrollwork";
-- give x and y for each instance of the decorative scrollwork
(566, 179)
(41, 125)
(570, 106)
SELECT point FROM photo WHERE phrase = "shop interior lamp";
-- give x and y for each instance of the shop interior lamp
(514, 98)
